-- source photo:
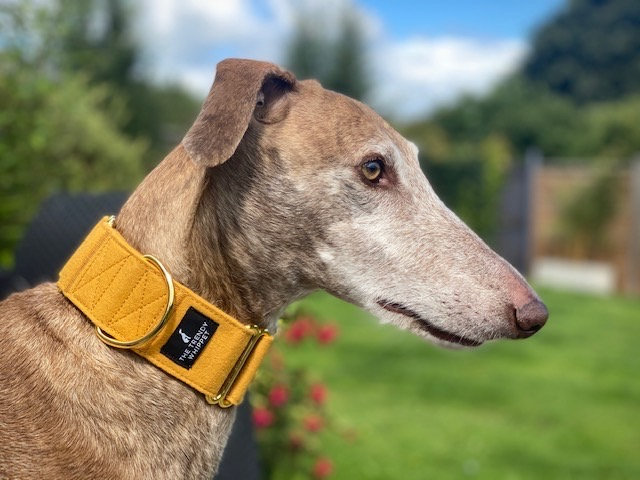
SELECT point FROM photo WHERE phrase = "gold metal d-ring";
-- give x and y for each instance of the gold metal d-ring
(163, 321)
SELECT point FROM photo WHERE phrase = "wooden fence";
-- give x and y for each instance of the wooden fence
(533, 233)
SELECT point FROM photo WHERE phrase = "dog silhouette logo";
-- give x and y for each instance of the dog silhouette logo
(185, 338)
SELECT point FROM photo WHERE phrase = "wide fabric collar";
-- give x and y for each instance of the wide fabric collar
(135, 304)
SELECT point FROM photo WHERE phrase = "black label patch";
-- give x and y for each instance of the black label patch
(190, 338)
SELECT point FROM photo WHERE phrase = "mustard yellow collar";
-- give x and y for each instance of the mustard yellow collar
(134, 303)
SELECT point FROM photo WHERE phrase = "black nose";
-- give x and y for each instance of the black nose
(531, 317)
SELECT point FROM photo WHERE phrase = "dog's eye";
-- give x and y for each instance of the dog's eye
(373, 170)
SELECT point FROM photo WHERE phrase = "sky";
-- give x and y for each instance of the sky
(422, 54)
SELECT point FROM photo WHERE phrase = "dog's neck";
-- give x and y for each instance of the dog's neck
(187, 217)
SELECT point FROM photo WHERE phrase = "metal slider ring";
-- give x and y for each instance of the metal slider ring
(159, 326)
(220, 398)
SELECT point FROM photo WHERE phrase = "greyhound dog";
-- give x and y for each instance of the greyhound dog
(278, 189)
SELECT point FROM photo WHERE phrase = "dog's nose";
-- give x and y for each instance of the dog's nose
(531, 317)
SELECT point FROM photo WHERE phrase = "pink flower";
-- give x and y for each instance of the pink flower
(313, 423)
(318, 393)
(262, 417)
(327, 334)
(322, 468)
(278, 395)
(299, 329)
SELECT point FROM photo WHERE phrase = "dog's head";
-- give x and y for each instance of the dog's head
(320, 192)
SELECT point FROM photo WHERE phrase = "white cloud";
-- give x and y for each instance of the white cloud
(184, 39)
(418, 74)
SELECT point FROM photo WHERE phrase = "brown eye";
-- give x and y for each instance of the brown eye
(372, 170)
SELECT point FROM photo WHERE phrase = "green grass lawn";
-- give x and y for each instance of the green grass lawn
(564, 404)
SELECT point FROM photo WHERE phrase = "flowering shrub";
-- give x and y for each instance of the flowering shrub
(289, 406)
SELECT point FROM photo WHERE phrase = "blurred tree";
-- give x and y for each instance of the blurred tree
(524, 114)
(467, 149)
(469, 179)
(582, 228)
(57, 132)
(75, 112)
(348, 73)
(590, 51)
(337, 59)
(614, 129)
(94, 36)
(308, 53)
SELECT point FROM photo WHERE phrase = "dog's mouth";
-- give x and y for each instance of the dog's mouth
(428, 326)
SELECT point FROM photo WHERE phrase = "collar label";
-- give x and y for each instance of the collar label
(189, 339)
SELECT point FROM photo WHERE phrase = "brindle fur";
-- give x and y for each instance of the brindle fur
(262, 203)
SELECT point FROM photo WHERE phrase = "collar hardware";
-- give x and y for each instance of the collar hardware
(109, 340)
(221, 398)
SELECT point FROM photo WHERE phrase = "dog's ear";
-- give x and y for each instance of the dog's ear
(242, 89)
